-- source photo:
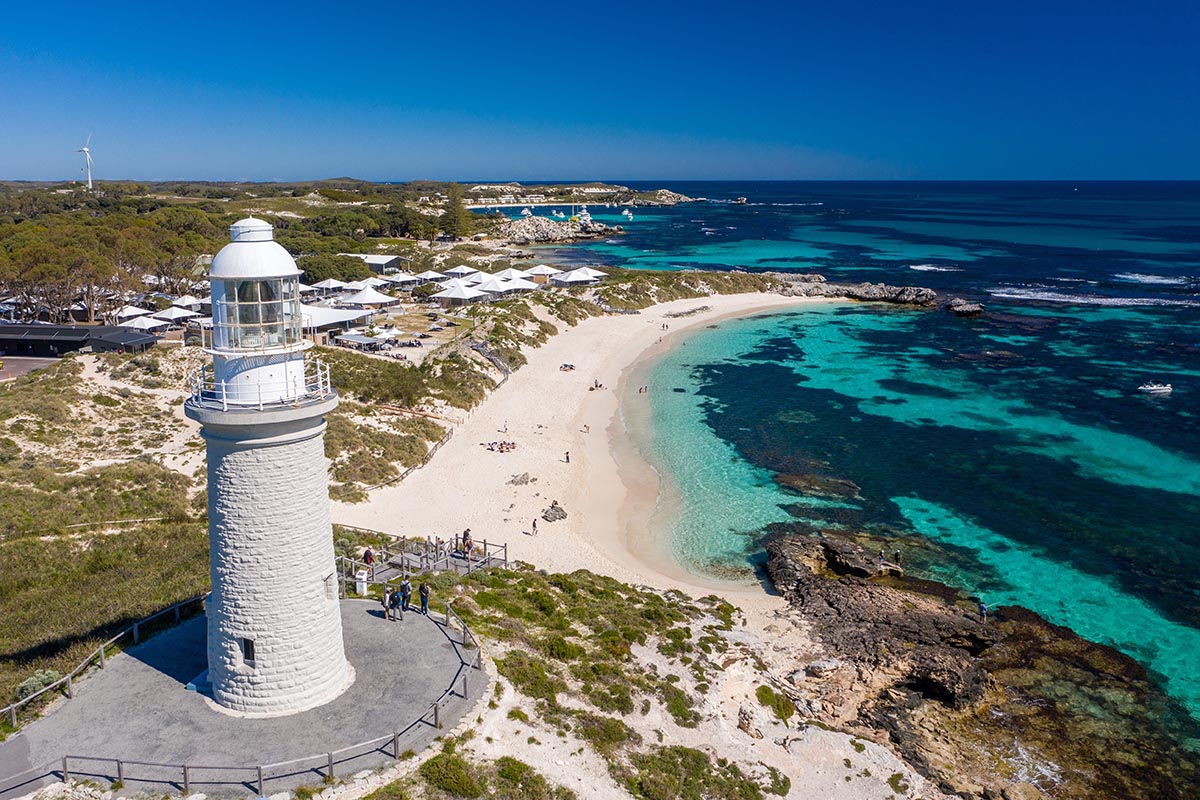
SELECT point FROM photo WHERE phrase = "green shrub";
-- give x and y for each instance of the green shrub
(451, 774)
(530, 676)
(778, 702)
(36, 682)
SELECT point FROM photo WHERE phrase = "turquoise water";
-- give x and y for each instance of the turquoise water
(1011, 455)
(1039, 506)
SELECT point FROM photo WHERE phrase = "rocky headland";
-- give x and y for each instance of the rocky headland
(1012, 708)
(815, 285)
(664, 197)
(541, 230)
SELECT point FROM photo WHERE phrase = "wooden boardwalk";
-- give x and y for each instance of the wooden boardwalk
(404, 557)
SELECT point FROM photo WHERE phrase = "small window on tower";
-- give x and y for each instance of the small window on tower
(247, 651)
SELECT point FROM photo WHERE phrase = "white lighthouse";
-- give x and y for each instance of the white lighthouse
(274, 623)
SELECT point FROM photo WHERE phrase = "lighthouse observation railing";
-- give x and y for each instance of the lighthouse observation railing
(10, 714)
(394, 745)
(207, 391)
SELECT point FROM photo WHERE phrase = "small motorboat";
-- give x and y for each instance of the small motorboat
(1155, 388)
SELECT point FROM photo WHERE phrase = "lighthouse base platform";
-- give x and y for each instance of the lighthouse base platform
(139, 709)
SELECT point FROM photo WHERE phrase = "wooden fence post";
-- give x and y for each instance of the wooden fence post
(396, 746)
(187, 786)
(136, 636)
(66, 772)
(103, 660)
(330, 756)
(261, 792)
(121, 771)
(465, 695)
(437, 718)
(70, 688)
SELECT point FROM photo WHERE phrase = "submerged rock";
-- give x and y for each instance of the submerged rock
(822, 485)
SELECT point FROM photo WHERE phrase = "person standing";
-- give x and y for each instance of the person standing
(567, 457)
(423, 590)
(394, 605)
(387, 603)
(467, 544)
(535, 526)
(405, 595)
(897, 556)
(983, 611)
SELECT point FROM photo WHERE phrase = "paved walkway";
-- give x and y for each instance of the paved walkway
(138, 710)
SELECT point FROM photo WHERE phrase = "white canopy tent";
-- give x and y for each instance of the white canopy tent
(543, 270)
(187, 301)
(128, 312)
(459, 295)
(323, 317)
(573, 278)
(368, 296)
(144, 323)
(174, 314)
(492, 285)
(510, 273)
(592, 273)
(401, 278)
(329, 284)
(306, 289)
(461, 271)
(521, 284)
(454, 283)
(429, 275)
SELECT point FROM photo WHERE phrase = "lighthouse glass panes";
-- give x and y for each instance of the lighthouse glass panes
(256, 314)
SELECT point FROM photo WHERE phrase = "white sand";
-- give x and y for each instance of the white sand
(607, 499)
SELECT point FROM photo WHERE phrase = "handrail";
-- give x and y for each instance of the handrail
(205, 390)
(322, 762)
(99, 653)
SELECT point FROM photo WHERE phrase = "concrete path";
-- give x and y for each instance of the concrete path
(139, 710)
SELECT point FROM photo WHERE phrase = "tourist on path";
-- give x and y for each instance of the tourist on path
(368, 557)
(405, 595)
(394, 604)
(387, 603)
(467, 543)
(535, 526)
(567, 457)
(424, 592)
(983, 611)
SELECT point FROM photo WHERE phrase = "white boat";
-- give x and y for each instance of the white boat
(525, 212)
(1155, 388)
(584, 216)
(627, 213)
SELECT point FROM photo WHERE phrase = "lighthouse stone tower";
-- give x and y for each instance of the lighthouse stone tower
(274, 622)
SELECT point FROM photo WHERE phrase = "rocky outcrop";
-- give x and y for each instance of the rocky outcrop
(540, 230)
(821, 485)
(1014, 708)
(963, 308)
(664, 197)
(554, 513)
(869, 292)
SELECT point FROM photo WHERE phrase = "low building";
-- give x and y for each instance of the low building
(52, 341)
(377, 263)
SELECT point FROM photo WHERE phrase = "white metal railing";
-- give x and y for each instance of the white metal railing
(205, 390)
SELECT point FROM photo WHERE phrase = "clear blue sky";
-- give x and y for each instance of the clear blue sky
(653, 90)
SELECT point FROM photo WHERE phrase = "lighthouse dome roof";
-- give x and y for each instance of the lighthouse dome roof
(252, 253)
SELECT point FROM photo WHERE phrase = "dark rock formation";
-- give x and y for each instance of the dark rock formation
(963, 308)
(1016, 708)
(869, 292)
(554, 513)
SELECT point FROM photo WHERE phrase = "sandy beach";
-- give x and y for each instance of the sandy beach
(607, 490)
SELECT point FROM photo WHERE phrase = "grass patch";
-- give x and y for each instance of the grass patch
(683, 773)
(450, 773)
(780, 704)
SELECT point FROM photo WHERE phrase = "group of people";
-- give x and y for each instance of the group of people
(399, 600)
(501, 447)
(643, 390)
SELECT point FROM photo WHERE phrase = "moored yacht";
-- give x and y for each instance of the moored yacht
(1155, 388)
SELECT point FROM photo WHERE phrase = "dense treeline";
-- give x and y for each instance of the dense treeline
(66, 252)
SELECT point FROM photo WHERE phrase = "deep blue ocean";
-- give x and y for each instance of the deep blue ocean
(1009, 455)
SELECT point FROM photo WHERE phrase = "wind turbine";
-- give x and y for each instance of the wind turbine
(87, 160)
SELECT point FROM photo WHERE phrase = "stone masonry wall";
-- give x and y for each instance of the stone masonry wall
(273, 568)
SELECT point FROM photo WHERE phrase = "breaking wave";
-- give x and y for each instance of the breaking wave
(1049, 296)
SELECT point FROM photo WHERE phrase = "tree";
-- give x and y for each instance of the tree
(456, 222)
(319, 267)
